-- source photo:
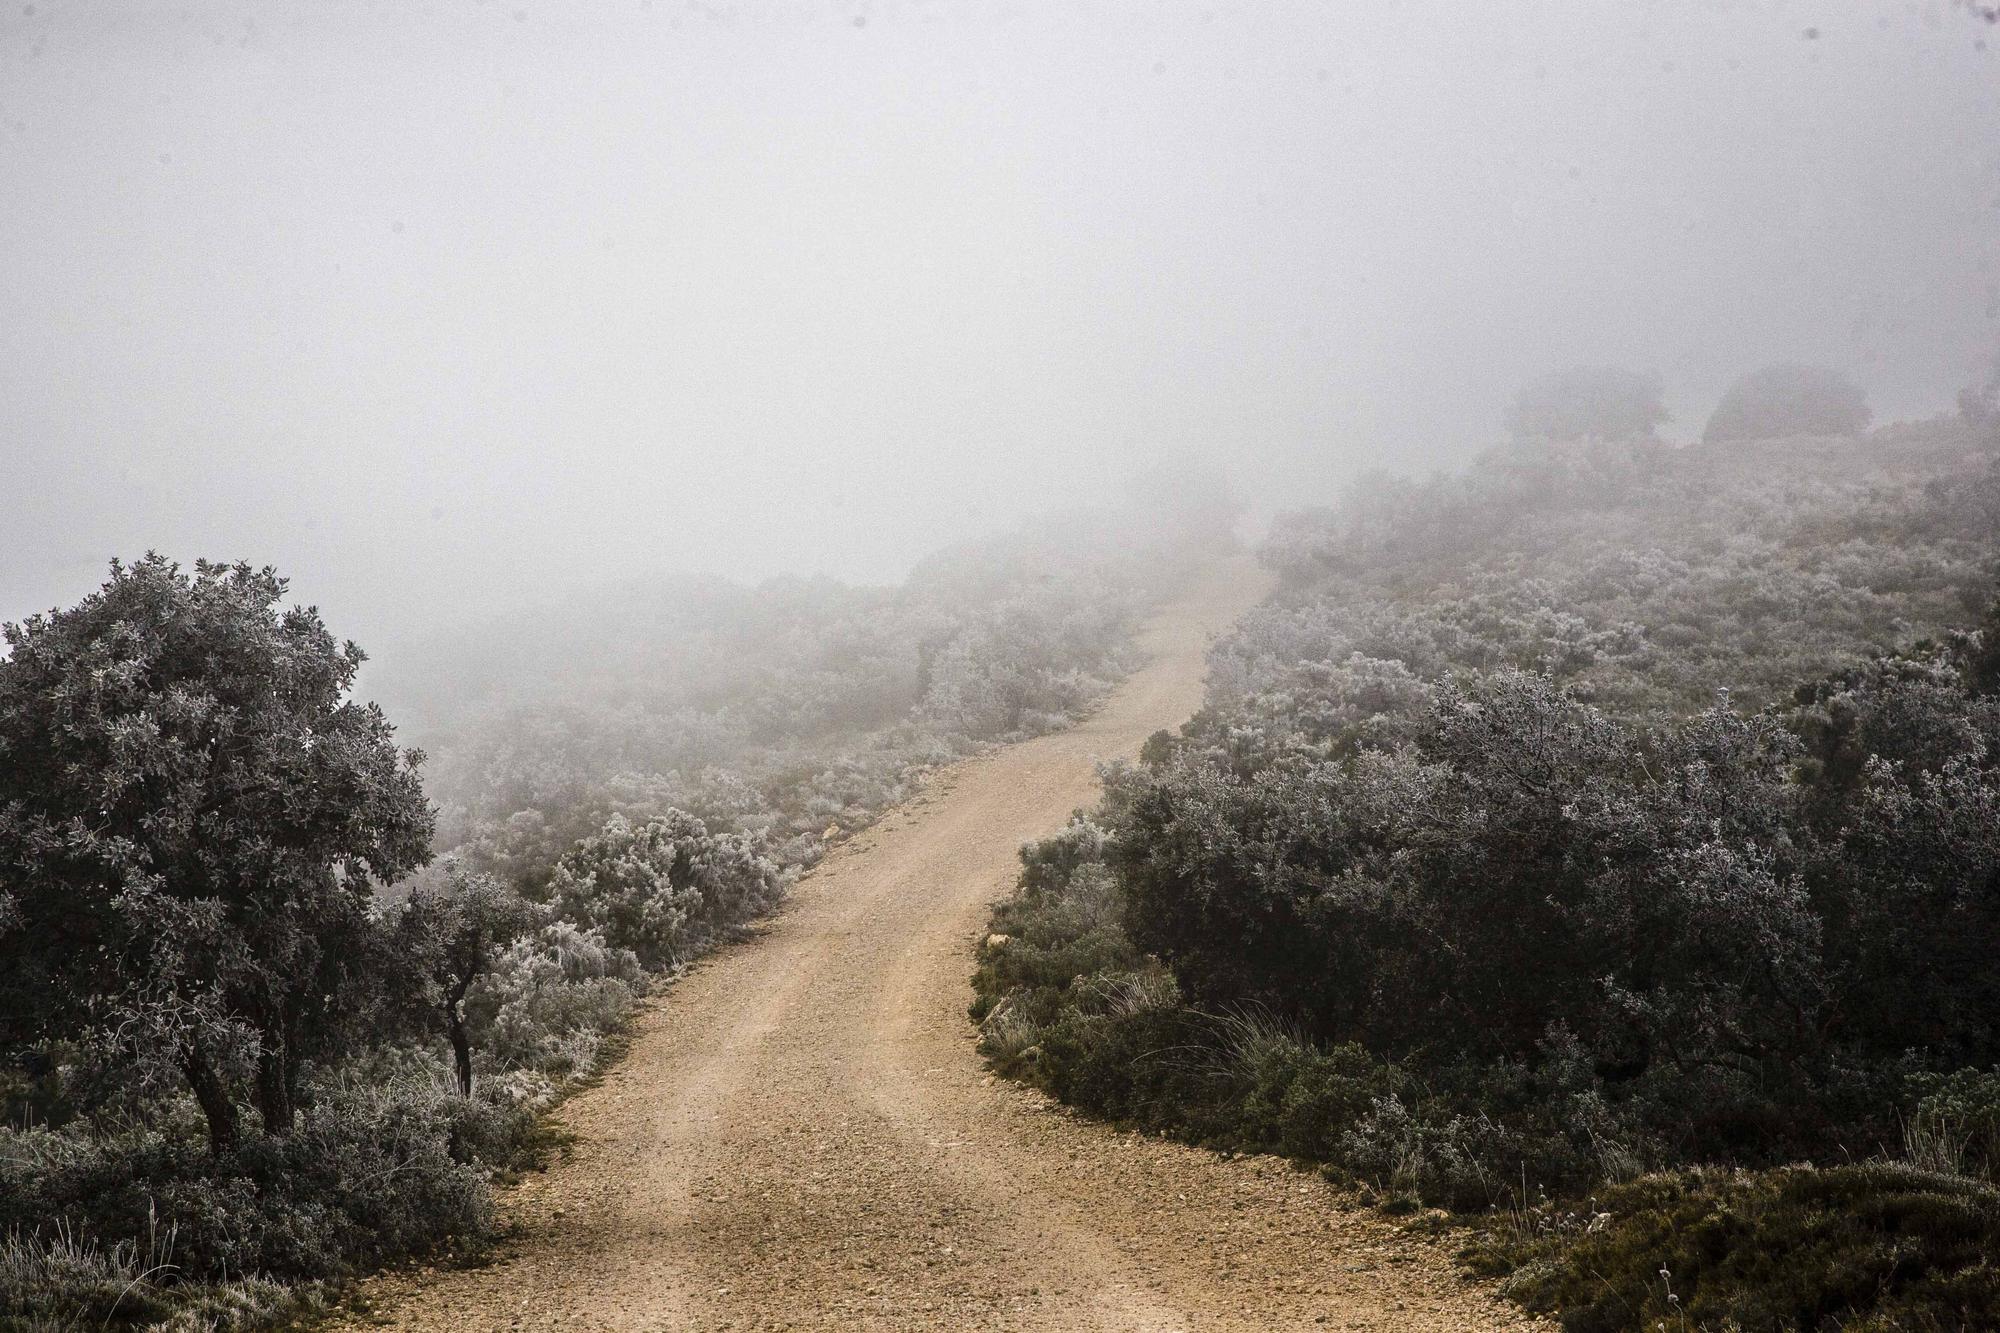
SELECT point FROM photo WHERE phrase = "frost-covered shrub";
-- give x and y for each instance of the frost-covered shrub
(56, 1279)
(1526, 865)
(1960, 1112)
(667, 888)
(550, 999)
(369, 1173)
(1694, 570)
(1028, 665)
(1453, 1160)
(553, 722)
(1313, 709)
(649, 769)
(1852, 1246)
(1064, 930)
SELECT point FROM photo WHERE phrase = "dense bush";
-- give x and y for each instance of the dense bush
(550, 1001)
(667, 889)
(1725, 940)
(1873, 1247)
(192, 810)
(92, 1285)
(370, 1173)
(1526, 867)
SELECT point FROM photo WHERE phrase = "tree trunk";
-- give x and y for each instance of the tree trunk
(213, 1099)
(461, 1048)
(274, 1087)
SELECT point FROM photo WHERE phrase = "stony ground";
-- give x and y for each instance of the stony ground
(803, 1137)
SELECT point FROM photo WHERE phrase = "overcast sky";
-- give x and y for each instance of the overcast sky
(439, 304)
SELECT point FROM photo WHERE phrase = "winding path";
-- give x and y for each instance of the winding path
(803, 1137)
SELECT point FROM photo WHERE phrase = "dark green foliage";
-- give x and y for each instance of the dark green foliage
(1874, 1247)
(1529, 866)
(191, 814)
(368, 1174)
(1303, 1100)
(1064, 998)
(1717, 942)
(1067, 1001)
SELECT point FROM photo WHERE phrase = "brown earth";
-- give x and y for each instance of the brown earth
(803, 1136)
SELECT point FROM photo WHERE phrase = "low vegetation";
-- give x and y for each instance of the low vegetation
(1600, 843)
(1864, 1246)
(283, 999)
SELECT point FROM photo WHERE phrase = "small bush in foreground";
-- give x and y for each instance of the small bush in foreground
(370, 1174)
(1855, 1248)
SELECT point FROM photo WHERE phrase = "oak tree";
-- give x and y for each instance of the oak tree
(193, 811)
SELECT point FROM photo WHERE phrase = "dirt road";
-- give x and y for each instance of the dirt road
(803, 1136)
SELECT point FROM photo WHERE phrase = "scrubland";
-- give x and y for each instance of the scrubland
(1598, 843)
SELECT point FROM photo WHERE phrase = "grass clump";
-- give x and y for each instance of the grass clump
(55, 1281)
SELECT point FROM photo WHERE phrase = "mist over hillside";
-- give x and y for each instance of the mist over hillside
(440, 307)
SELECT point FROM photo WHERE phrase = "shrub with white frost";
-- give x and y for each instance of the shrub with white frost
(666, 888)
(550, 998)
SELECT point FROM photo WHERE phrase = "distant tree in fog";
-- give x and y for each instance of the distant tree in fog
(192, 812)
(1787, 399)
(1979, 405)
(1588, 403)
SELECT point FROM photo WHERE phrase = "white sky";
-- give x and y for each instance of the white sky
(435, 305)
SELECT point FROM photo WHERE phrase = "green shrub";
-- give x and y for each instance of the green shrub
(369, 1174)
(1870, 1247)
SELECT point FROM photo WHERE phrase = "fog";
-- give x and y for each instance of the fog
(441, 306)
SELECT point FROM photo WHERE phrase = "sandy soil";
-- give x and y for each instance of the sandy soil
(803, 1137)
